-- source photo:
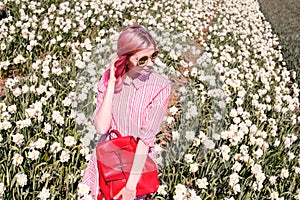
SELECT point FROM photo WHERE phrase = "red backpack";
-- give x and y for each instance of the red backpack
(115, 158)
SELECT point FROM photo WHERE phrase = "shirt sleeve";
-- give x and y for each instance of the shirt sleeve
(155, 113)
(90, 176)
(101, 91)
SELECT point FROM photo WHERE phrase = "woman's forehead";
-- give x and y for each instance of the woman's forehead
(145, 51)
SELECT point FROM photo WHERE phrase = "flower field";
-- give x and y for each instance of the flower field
(232, 127)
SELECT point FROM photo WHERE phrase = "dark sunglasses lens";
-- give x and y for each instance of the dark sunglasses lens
(143, 60)
(154, 55)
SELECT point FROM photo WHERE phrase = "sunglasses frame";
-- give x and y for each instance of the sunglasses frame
(152, 59)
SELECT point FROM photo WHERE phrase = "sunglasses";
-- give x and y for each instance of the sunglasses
(144, 60)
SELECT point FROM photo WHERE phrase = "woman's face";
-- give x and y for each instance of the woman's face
(134, 64)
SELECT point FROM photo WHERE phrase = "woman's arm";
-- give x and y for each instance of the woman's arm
(103, 116)
(140, 157)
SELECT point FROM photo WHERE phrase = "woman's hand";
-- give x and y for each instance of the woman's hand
(126, 194)
(112, 78)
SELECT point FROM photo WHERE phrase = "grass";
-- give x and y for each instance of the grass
(283, 16)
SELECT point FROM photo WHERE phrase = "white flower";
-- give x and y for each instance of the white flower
(209, 144)
(40, 143)
(188, 158)
(231, 198)
(60, 120)
(194, 72)
(234, 179)
(65, 156)
(182, 90)
(170, 119)
(79, 64)
(183, 63)
(202, 136)
(2, 189)
(5, 125)
(233, 113)
(272, 180)
(256, 169)
(4, 65)
(225, 149)
(83, 189)
(44, 194)
(2, 46)
(284, 173)
(274, 195)
(296, 169)
(72, 83)
(55, 114)
(192, 112)
(82, 97)
(12, 108)
(236, 167)
(33, 155)
(216, 136)
(194, 167)
(196, 142)
(258, 153)
(297, 197)
(180, 190)
(84, 151)
(173, 110)
(21, 179)
(3, 105)
(69, 141)
(202, 183)
(190, 135)
(17, 159)
(260, 177)
(17, 92)
(162, 190)
(226, 157)
(55, 147)
(175, 135)
(47, 128)
(18, 139)
(276, 143)
(67, 102)
(254, 186)
(236, 188)
(19, 59)
(57, 71)
(291, 155)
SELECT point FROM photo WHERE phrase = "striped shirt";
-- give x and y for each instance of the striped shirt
(137, 110)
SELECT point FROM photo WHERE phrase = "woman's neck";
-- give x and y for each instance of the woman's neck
(132, 74)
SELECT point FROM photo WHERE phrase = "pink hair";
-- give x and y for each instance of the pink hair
(131, 40)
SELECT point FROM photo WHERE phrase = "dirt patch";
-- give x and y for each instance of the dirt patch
(284, 16)
(2, 86)
(11, 74)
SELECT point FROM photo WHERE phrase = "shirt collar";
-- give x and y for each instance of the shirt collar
(137, 82)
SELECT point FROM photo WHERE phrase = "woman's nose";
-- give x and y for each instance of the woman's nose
(150, 62)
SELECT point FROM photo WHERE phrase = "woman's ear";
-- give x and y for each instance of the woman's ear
(127, 62)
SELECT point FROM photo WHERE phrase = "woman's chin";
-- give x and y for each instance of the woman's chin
(144, 72)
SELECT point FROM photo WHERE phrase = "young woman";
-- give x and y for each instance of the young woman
(132, 99)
